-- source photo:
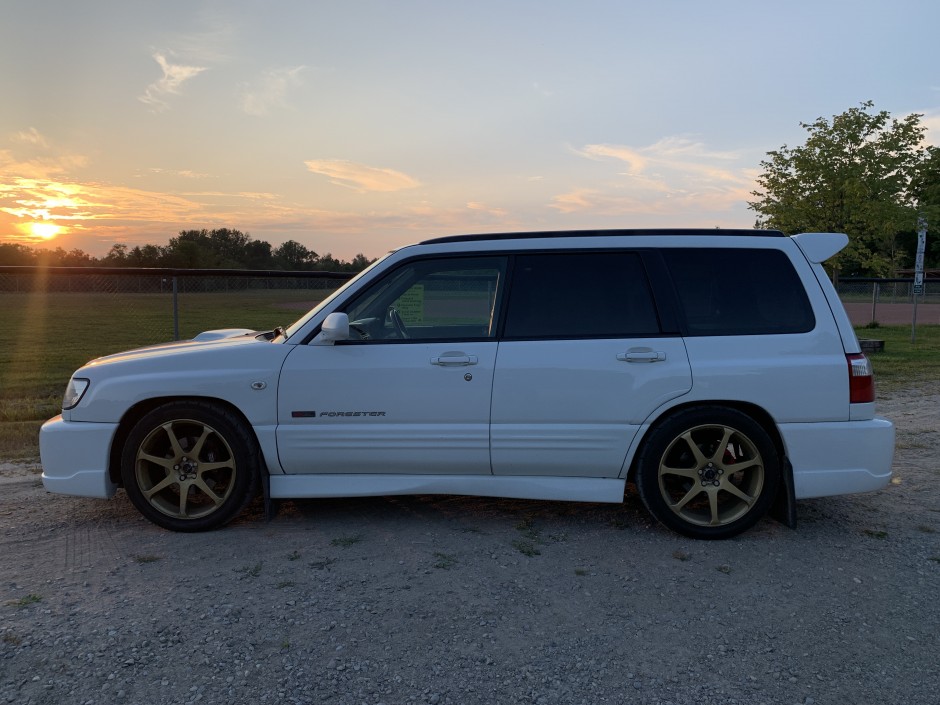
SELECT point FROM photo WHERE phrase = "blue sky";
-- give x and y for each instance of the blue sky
(360, 126)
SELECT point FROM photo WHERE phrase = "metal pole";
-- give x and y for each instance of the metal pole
(874, 301)
(176, 310)
(918, 288)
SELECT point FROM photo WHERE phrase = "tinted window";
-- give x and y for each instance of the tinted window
(739, 292)
(441, 299)
(579, 295)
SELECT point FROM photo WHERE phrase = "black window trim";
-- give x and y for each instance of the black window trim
(658, 280)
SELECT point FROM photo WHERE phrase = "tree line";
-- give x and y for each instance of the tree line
(222, 248)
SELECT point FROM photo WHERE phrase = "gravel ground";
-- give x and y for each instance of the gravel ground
(466, 600)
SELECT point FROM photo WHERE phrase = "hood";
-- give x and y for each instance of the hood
(207, 340)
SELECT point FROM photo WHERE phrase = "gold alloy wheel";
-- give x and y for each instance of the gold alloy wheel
(185, 469)
(711, 475)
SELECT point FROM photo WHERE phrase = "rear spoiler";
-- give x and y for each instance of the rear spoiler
(818, 247)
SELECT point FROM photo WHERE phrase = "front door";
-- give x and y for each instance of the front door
(410, 392)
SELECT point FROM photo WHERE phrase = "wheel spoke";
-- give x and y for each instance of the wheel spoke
(197, 449)
(160, 486)
(719, 455)
(201, 484)
(713, 507)
(689, 496)
(690, 473)
(739, 493)
(741, 466)
(167, 463)
(174, 441)
(184, 492)
(225, 464)
(700, 459)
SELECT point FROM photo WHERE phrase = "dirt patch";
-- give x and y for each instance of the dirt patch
(893, 314)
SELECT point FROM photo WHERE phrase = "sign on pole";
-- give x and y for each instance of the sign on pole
(919, 271)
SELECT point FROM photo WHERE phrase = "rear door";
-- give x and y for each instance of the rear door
(582, 363)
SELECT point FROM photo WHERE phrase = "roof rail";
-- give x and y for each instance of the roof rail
(601, 233)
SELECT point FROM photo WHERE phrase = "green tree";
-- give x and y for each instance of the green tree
(855, 174)
(16, 255)
(291, 255)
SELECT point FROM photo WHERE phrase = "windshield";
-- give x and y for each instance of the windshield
(300, 322)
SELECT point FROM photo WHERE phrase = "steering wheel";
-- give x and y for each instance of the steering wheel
(399, 324)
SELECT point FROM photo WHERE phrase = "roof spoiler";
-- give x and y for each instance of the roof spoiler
(818, 247)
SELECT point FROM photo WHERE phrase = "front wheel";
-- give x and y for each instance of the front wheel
(708, 472)
(190, 466)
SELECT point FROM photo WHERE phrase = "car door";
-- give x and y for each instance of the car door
(410, 391)
(582, 363)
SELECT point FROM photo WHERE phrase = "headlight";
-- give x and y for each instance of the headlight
(74, 392)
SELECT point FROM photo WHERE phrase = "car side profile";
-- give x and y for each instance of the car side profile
(715, 369)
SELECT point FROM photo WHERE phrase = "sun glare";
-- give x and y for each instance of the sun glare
(44, 231)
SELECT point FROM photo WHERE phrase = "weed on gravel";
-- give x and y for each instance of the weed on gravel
(30, 599)
(346, 541)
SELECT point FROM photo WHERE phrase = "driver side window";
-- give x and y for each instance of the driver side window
(431, 299)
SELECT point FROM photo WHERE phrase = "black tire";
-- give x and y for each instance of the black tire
(708, 472)
(190, 465)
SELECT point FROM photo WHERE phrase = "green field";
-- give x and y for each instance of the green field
(45, 337)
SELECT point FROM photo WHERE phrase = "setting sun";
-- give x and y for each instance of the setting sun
(45, 231)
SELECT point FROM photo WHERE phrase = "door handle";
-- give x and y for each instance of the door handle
(454, 359)
(642, 356)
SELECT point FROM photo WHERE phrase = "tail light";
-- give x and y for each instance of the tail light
(861, 379)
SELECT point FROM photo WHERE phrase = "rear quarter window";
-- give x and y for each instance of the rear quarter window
(738, 291)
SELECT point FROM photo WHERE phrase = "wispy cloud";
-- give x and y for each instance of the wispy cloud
(674, 173)
(270, 92)
(31, 136)
(488, 210)
(360, 176)
(174, 76)
(184, 173)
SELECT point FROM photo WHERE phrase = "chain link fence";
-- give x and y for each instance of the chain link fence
(889, 301)
(160, 305)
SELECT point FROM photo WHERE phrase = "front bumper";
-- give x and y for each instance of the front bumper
(75, 457)
(839, 457)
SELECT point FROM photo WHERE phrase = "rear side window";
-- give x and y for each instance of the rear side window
(580, 295)
(739, 292)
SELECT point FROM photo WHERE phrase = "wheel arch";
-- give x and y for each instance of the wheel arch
(758, 413)
(783, 508)
(142, 408)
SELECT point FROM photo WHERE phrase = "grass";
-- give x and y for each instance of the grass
(445, 561)
(346, 541)
(251, 571)
(44, 337)
(30, 599)
(142, 559)
(903, 363)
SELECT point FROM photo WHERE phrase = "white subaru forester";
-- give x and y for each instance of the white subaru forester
(715, 369)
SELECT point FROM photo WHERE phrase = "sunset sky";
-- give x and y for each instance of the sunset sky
(361, 126)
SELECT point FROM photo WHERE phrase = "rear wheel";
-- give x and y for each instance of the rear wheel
(190, 466)
(708, 472)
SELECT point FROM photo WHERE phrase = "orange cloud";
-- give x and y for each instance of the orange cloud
(360, 176)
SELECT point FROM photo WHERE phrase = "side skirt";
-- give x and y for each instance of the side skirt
(567, 489)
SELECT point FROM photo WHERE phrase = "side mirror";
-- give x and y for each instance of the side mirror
(335, 327)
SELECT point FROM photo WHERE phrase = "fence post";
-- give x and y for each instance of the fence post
(874, 301)
(176, 310)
